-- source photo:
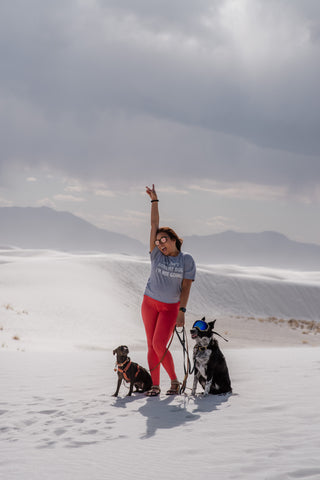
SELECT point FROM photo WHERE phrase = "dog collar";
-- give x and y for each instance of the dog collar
(126, 361)
(202, 349)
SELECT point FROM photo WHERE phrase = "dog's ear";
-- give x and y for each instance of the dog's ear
(211, 324)
(203, 319)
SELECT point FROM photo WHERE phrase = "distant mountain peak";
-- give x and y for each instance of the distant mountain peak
(44, 227)
(266, 248)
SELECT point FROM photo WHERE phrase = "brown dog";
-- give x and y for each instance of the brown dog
(131, 372)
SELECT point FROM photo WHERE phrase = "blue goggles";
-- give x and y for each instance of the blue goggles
(201, 325)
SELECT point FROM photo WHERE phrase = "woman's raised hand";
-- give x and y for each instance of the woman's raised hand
(152, 193)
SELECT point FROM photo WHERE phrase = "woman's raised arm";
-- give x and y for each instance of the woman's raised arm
(154, 215)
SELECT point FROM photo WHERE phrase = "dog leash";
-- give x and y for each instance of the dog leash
(188, 369)
(186, 359)
(216, 333)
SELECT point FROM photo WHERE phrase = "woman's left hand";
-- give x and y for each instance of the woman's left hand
(180, 319)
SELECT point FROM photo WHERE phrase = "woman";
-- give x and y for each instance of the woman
(166, 296)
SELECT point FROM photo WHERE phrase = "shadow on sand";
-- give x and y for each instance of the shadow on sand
(210, 403)
(161, 414)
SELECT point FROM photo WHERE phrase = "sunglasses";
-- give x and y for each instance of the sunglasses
(160, 241)
(201, 325)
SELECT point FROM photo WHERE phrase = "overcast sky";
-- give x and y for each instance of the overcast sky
(215, 101)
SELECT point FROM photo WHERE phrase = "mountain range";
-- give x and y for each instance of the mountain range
(45, 228)
(252, 249)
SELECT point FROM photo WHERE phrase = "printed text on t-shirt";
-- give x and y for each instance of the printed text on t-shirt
(170, 270)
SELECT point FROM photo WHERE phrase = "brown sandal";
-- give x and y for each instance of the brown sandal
(174, 389)
(154, 391)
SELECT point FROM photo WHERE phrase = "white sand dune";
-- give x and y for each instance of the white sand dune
(60, 317)
(55, 301)
(59, 420)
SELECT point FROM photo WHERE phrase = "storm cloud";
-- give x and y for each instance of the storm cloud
(222, 89)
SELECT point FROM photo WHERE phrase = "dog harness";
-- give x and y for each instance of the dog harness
(124, 370)
(200, 348)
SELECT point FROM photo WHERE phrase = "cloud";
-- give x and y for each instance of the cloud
(67, 198)
(220, 223)
(94, 188)
(5, 203)
(104, 193)
(172, 190)
(75, 189)
(129, 219)
(242, 190)
(132, 91)
(46, 202)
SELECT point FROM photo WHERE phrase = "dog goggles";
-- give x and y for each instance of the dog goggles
(201, 325)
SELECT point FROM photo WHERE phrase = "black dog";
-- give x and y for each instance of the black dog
(131, 372)
(210, 367)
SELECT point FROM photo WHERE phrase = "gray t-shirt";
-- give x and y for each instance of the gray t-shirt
(166, 276)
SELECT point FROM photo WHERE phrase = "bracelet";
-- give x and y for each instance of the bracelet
(154, 201)
(182, 309)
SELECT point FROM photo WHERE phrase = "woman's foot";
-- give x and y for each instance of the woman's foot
(175, 388)
(154, 391)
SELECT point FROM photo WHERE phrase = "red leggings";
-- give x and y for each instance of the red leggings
(159, 321)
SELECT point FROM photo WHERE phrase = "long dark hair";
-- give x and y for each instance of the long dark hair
(172, 234)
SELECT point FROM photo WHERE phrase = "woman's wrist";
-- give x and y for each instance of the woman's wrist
(154, 200)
